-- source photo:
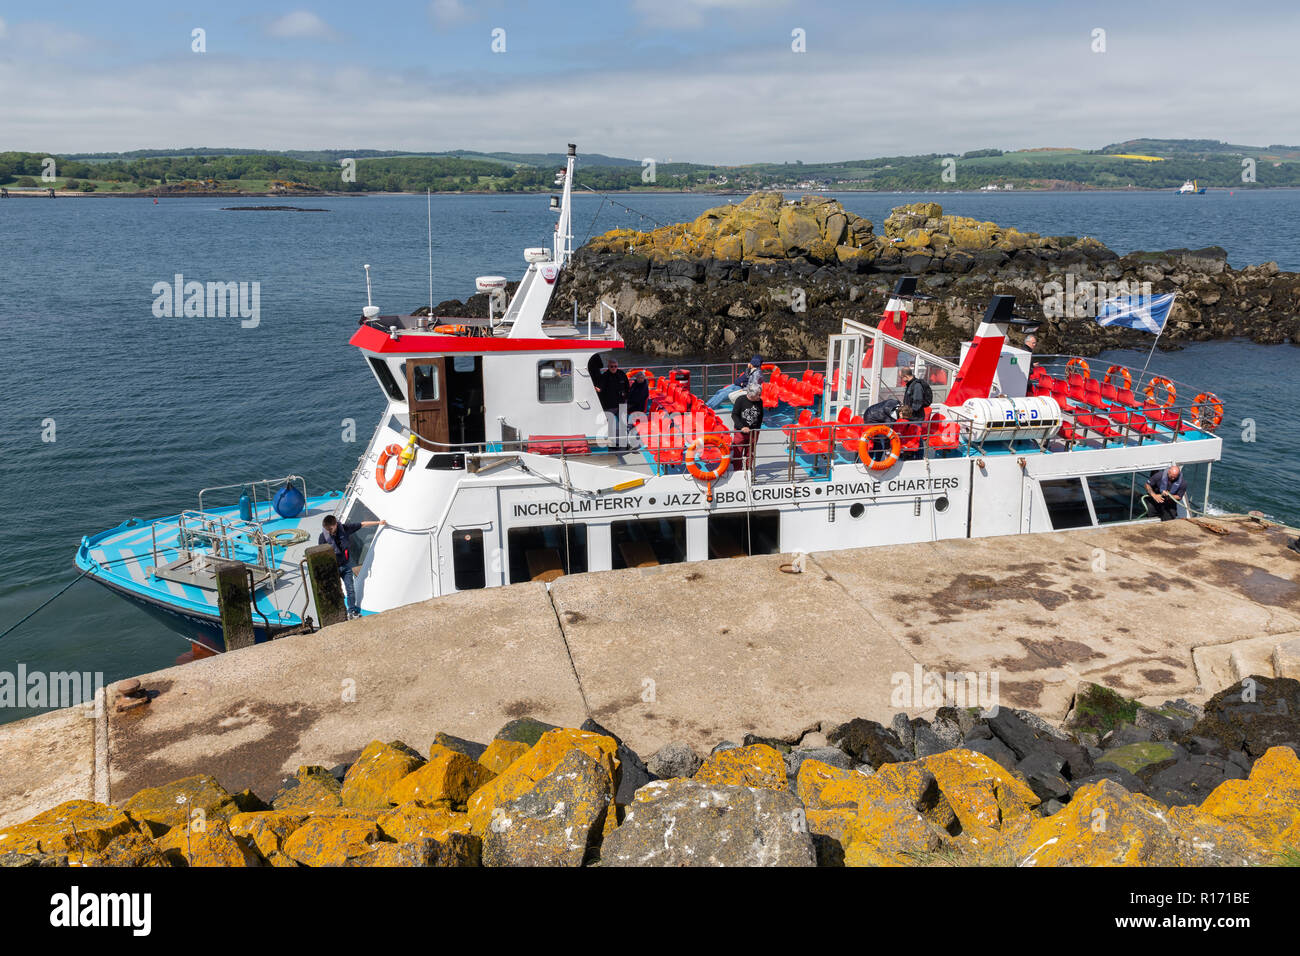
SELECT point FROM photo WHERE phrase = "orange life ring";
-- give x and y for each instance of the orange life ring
(895, 447)
(1171, 393)
(714, 441)
(388, 483)
(1080, 363)
(1128, 379)
(1212, 402)
(451, 329)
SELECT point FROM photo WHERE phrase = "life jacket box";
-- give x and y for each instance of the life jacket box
(1012, 419)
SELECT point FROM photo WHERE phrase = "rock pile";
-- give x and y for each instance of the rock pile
(776, 277)
(1117, 784)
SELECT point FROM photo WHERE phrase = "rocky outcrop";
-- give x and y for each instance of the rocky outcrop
(1118, 784)
(777, 277)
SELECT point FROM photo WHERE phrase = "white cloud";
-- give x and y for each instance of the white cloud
(968, 89)
(3, 28)
(449, 13)
(679, 14)
(300, 24)
(48, 40)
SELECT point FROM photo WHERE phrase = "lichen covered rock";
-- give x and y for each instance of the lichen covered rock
(73, 827)
(558, 822)
(329, 840)
(1105, 825)
(682, 822)
(379, 767)
(198, 797)
(448, 777)
(755, 766)
(214, 844)
(524, 773)
(1267, 803)
(311, 788)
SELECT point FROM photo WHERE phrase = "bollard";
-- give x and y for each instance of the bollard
(235, 602)
(326, 585)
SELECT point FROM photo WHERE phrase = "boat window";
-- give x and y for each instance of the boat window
(555, 380)
(1117, 497)
(736, 535)
(467, 559)
(1066, 505)
(362, 537)
(641, 544)
(546, 553)
(386, 380)
(425, 379)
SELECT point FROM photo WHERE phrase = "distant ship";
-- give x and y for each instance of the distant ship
(1190, 188)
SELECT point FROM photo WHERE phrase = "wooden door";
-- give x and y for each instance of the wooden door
(426, 391)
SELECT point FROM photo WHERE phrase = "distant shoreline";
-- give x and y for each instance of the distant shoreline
(29, 193)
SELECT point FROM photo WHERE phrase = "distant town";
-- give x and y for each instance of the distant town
(1135, 164)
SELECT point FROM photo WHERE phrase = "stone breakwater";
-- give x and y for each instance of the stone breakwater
(777, 277)
(1116, 784)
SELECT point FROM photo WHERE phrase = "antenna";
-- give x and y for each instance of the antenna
(367, 268)
(428, 198)
(371, 311)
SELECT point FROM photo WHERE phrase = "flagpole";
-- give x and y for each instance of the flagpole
(1168, 316)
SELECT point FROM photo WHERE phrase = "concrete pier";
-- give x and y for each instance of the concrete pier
(701, 652)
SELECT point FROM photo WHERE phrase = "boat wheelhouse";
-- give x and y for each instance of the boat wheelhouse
(494, 463)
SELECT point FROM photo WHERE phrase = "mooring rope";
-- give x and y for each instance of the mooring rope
(46, 604)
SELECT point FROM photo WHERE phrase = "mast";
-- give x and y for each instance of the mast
(562, 248)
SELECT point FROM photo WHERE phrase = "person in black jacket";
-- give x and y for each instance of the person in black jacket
(612, 389)
(747, 418)
(638, 396)
(339, 535)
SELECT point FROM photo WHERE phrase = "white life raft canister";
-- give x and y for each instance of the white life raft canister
(1012, 419)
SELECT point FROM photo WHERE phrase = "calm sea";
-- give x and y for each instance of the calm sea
(146, 411)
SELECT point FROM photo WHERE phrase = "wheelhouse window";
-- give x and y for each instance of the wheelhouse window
(546, 553)
(467, 559)
(425, 379)
(555, 381)
(386, 380)
(1066, 505)
(643, 544)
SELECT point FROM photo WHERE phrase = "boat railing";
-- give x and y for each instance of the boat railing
(225, 537)
(265, 485)
(1179, 407)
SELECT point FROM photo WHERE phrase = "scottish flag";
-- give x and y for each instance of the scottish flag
(1143, 312)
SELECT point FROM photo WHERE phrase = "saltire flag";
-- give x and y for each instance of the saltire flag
(1145, 313)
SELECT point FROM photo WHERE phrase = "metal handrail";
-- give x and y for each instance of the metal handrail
(253, 485)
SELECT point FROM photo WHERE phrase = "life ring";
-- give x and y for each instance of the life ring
(1081, 364)
(1213, 405)
(1171, 393)
(1128, 378)
(714, 441)
(865, 445)
(451, 329)
(404, 457)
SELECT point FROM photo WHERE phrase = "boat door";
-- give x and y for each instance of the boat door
(427, 400)
(843, 375)
(465, 399)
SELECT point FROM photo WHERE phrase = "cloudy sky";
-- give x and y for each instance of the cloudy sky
(694, 80)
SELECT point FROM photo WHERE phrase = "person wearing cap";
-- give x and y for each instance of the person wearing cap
(747, 418)
(752, 374)
(638, 396)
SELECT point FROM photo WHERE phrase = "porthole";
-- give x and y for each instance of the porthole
(857, 509)
(941, 503)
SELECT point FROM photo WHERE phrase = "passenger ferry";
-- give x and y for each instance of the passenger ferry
(493, 462)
